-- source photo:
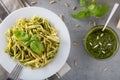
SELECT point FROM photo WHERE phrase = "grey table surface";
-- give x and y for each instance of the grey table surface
(83, 67)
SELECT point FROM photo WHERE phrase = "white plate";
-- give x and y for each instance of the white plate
(60, 58)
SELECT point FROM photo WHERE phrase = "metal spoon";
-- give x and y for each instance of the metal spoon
(111, 14)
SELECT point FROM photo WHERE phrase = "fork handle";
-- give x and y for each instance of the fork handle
(10, 79)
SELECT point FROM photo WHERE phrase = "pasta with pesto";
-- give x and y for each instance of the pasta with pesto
(32, 41)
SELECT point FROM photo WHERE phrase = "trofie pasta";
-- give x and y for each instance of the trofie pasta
(32, 41)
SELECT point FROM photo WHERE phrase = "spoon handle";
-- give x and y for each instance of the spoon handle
(111, 14)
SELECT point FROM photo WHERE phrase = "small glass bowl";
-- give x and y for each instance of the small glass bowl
(100, 46)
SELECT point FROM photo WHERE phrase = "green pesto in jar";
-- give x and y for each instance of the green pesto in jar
(101, 44)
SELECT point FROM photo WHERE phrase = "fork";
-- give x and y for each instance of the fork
(15, 72)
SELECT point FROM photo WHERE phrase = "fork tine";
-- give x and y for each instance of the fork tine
(16, 71)
(13, 71)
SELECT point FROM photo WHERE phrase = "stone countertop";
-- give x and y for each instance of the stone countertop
(83, 67)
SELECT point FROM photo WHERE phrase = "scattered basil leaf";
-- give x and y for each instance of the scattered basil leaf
(37, 47)
(21, 35)
(98, 10)
(94, 9)
(81, 14)
(83, 3)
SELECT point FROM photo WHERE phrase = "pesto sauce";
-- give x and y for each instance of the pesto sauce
(101, 44)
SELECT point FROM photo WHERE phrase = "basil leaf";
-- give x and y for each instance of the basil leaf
(98, 10)
(27, 43)
(21, 35)
(81, 14)
(36, 46)
(83, 3)
(104, 10)
(34, 37)
(91, 7)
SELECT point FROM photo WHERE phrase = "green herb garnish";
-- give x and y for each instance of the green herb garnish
(21, 35)
(91, 9)
(32, 42)
(37, 47)
(83, 3)
(97, 9)
(81, 14)
(34, 37)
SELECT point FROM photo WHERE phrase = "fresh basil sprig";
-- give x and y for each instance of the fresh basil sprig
(91, 9)
(83, 3)
(81, 14)
(32, 42)
(97, 9)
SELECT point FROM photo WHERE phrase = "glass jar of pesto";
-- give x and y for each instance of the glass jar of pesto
(101, 44)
